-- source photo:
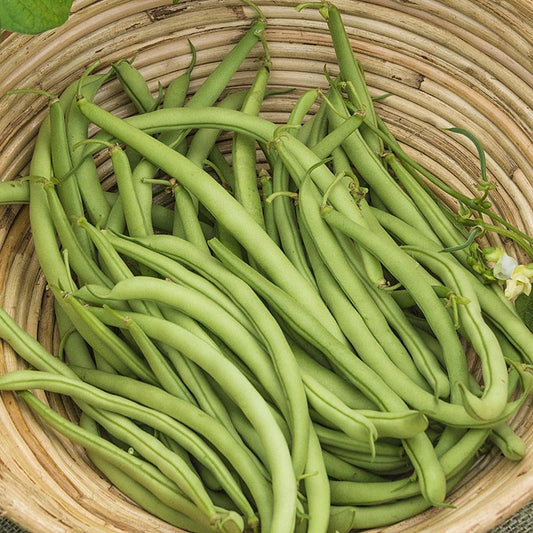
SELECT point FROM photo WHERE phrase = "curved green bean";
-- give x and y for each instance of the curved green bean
(144, 497)
(29, 379)
(140, 470)
(206, 312)
(251, 403)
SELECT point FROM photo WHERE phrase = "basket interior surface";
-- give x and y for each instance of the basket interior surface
(443, 63)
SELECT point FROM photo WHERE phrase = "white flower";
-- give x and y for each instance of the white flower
(519, 282)
(516, 278)
(505, 267)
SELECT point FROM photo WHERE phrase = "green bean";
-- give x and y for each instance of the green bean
(144, 171)
(427, 365)
(491, 305)
(44, 235)
(14, 192)
(135, 86)
(447, 232)
(364, 493)
(116, 352)
(299, 341)
(199, 385)
(84, 169)
(266, 187)
(346, 419)
(203, 141)
(43, 134)
(350, 395)
(215, 83)
(29, 348)
(160, 366)
(319, 125)
(210, 90)
(404, 299)
(282, 206)
(202, 309)
(402, 267)
(255, 342)
(43, 230)
(224, 170)
(344, 519)
(118, 269)
(387, 424)
(225, 208)
(67, 187)
(207, 94)
(339, 439)
(513, 355)
(168, 377)
(210, 428)
(371, 269)
(247, 433)
(372, 171)
(339, 469)
(316, 488)
(348, 298)
(162, 218)
(116, 221)
(265, 325)
(454, 461)
(283, 304)
(136, 222)
(500, 313)
(380, 464)
(187, 118)
(252, 405)
(358, 373)
(352, 74)
(176, 92)
(28, 379)
(340, 161)
(186, 210)
(445, 223)
(75, 348)
(494, 367)
(81, 262)
(140, 470)
(303, 162)
(154, 451)
(398, 425)
(365, 261)
(173, 445)
(511, 445)
(137, 492)
(418, 448)
(176, 272)
(332, 142)
(244, 150)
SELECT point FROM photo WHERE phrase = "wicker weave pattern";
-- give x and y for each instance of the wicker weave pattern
(464, 63)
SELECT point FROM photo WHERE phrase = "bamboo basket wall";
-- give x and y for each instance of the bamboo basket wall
(464, 63)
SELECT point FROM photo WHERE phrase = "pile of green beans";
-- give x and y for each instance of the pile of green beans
(281, 346)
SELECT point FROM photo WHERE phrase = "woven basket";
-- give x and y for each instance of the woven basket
(465, 63)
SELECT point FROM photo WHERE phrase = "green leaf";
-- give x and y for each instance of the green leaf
(524, 308)
(33, 16)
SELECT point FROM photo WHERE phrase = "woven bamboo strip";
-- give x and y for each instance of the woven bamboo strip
(465, 63)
